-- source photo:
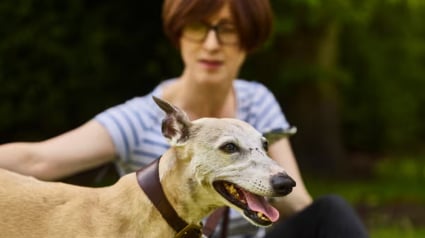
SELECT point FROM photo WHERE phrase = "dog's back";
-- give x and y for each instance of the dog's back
(18, 194)
(33, 208)
(26, 203)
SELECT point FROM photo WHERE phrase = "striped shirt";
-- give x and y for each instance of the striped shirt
(135, 126)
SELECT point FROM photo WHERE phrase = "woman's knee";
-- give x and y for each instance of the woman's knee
(333, 204)
(337, 216)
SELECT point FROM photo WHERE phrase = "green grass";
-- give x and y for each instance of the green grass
(396, 232)
(371, 192)
(397, 183)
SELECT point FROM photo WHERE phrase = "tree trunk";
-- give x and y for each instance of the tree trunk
(315, 108)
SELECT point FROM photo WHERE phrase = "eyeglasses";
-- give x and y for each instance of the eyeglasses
(226, 33)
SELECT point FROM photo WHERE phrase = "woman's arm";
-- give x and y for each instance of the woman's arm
(80, 149)
(299, 198)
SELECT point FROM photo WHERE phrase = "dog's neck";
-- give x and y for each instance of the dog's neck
(182, 189)
(149, 182)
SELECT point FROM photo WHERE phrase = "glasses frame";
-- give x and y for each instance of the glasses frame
(208, 28)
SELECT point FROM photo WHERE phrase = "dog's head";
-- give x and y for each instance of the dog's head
(228, 158)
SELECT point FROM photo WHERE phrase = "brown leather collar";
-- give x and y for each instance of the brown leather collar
(148, 179)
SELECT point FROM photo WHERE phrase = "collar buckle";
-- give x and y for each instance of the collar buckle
(190, 231)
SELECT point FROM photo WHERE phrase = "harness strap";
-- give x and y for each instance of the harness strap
(213, 220)
(148, 179)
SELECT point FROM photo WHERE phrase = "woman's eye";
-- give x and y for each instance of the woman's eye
(229, 148)
(226, 29)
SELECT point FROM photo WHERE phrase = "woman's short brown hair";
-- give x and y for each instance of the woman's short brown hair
(253, 18)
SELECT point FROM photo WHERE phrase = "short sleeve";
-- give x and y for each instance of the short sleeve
(126, 122)
(260, 108)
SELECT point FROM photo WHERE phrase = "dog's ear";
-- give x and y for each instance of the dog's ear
(175, 126)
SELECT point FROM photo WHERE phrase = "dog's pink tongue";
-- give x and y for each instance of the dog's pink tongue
(259, 204)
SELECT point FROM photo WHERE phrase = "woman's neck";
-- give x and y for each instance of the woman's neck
(202, 99)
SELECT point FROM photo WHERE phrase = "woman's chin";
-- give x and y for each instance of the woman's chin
(214, 78)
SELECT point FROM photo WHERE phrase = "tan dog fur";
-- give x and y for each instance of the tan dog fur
(34, 208)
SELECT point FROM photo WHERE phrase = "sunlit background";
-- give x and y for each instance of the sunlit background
(350, 74)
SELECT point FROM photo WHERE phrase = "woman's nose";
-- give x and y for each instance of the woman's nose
(211, 42)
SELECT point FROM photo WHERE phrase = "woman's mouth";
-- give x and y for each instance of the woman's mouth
(211, 64)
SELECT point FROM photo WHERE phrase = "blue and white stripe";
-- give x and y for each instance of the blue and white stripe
(135, 126)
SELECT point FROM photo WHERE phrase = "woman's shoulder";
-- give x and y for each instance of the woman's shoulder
(248, 83)
(140, 103)
(247, 86)
(250, 89)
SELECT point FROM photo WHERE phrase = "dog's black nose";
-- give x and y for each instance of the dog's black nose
(282, 184)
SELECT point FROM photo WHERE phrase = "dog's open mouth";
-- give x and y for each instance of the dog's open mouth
(255, 207)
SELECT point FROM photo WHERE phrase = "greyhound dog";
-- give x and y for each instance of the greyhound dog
(211, 163)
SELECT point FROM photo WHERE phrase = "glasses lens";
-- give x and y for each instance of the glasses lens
(227, 34)
(195, 31)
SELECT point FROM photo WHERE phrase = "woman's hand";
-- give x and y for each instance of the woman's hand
(299, 198)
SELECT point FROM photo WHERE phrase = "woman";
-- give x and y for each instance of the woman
(214, 38)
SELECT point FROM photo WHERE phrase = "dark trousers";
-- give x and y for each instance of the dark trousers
(328, 217)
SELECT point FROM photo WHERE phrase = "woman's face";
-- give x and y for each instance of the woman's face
(212, 56)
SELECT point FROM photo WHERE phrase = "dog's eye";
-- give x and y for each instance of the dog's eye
(229, 148)
(266, 145)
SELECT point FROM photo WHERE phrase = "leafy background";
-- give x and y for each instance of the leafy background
(348, 73)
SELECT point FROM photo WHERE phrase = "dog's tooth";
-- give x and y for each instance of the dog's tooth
(262, 216)
(231, 189)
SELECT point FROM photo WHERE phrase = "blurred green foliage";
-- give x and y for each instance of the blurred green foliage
(386, 58)
(349, 71)
(362, 61)
(61, 62)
